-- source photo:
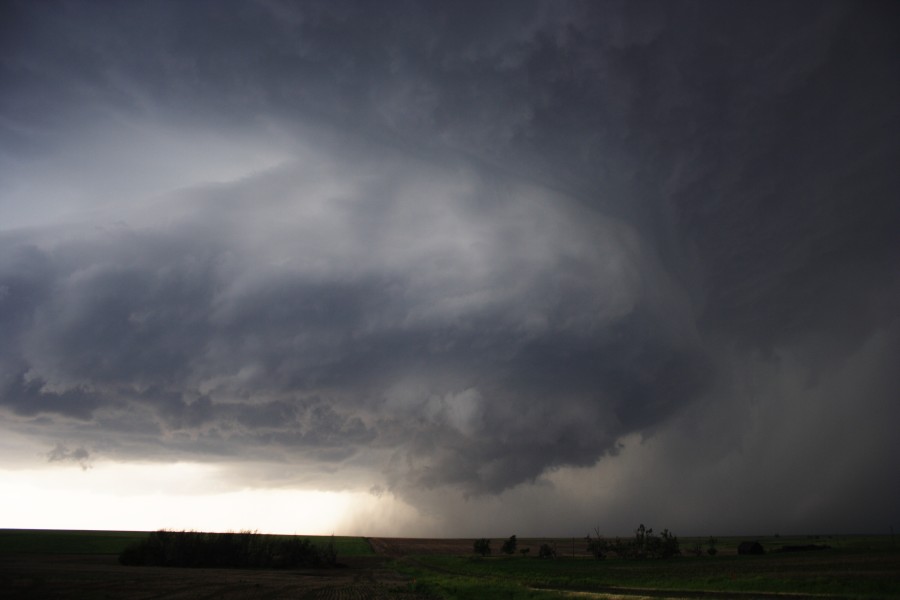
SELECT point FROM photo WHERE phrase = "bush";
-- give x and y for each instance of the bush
(597, 546)
(546, 551)
(482, 547)
(668, 545)
(236, 550)
(509, 546)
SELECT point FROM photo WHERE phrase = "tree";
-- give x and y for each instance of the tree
(546, 551)
(597, 546)
(668, 545)
(509, 546)
(641, 540)
(482, 546)
(622, 548)
(644, 544)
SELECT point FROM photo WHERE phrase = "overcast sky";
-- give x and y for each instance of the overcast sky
(452, 268)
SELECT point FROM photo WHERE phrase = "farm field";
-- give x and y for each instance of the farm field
(81, 565)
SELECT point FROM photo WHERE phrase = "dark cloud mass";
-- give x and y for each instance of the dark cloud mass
(457, 250)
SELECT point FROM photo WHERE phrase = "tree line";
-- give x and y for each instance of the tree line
(227, 550)
(644, 544)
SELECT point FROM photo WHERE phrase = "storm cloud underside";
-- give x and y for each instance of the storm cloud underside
(491, 259)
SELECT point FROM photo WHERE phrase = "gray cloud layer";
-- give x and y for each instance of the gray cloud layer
(497, 240)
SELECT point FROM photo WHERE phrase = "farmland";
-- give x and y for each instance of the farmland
(75, 565)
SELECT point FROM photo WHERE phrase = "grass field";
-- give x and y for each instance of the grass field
(832, 574)
(82, 564)
(864, 567)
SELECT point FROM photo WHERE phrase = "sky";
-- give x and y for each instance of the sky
(450, 268)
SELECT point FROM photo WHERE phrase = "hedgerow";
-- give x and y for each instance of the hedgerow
(231, 550)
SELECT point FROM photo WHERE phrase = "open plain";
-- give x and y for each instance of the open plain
(86, 566)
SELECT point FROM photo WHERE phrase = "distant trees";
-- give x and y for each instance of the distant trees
(648, 545)
(482, 547)
(645, 544)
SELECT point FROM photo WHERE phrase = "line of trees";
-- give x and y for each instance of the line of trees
(644, 544)
(235, 550)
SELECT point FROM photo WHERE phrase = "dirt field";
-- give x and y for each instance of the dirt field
(464, 546)
(82, 577)
(396, 547)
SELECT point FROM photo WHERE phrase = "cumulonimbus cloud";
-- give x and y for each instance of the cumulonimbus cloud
(450, 251)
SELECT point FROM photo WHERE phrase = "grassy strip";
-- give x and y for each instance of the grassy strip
(832, 573)
(449, 586)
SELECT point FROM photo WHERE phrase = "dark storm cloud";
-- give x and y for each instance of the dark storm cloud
(506, 235)
(433, 324)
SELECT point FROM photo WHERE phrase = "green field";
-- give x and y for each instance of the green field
(40, 541)
(840, 575)
(854, 567)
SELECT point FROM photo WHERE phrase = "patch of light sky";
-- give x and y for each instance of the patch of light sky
(146, 497)
(130, 162)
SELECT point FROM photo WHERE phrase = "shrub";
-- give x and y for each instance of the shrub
(482, 546)
(597, 546)
(668, 545)
(546, 551)
(509, 546)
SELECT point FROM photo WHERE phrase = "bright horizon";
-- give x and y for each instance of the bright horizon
(169, 497)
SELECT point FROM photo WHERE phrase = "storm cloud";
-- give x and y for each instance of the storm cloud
(463, 253)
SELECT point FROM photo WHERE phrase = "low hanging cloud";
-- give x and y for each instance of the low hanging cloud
(461, 254)
(79, 456)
